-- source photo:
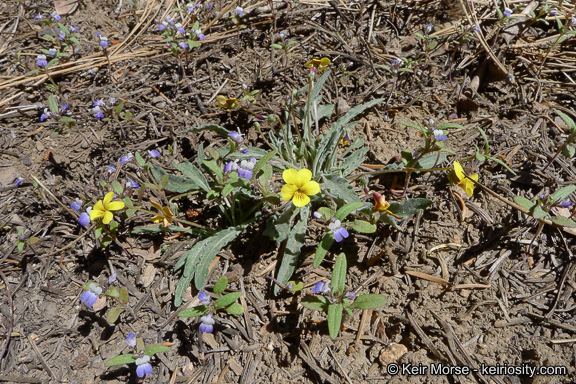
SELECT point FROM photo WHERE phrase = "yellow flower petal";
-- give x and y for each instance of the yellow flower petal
(98, 206)
(157, 219)
(288, 190)
(96, 213)
(458, 171)
(304, 176)
(156, 205)
(324, 61)
(308, 64)
(108, 216)
(108, 199)
(115, 205)
(300, 199)
(310, 188)
(221, 100)
(290, 176)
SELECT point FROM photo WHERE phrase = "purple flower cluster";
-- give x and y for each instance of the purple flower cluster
(237, 138)
(321, 287)
(103, 39)
(244, 169)
(340, 233)
(63, 110)
(91, 295)
(207, 323)
(168, 23)
(41, 61)
(100, 108)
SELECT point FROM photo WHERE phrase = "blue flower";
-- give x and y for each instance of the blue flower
(246, 168)
(144, 368)
(18, 181)
(56, 16)
(131, 340)
(243, 150)
(236, 137)
(132, 184)
(112, 279)
(84, 219)
(37, 17)
(232, 165)
(321, 287)
(126, 158)
(317, 215)
(47, 114)
(76, 205)
(153, 153)
(240, 11)
(507, 12)
(52, 51)
(73, 29)
(61, 36)
(111, 169)
(179, 28)
(199, 34)
(163, 26)
(350, 295)
(203, 298)
(340, 233)
(429, 27)
(439, 135)
(564, 204)
(103, 41)
(41, 61)
(183, 45)
(91, 295)
(207, 324)
(98, 113)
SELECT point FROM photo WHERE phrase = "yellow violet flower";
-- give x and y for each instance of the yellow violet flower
(166, 215)
(104, 208)
(299, 185)
(457, 176)
(319, 64)
(225, 103)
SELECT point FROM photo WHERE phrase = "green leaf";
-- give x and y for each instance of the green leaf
(53, 104)
(119, 360)
(199, 310)
(568, 120)
(139, 159)
(116, 187)
(409, 207)
(277, 46)
(176, 184)
(562, 193)
(568, 151)
(260, 164)
(153, 349)
(112, 292)
(539, 213)
(66, 119)
(318, 303)
(197, 260)
(296, 238)
(563, 221)
(279, 229)
(524, 202)
(123, 295)
(235, 309)
(113, 314)
(193, 174)
(296, 286)
(164, 181)
(211, 165)
(352, 162)
(127, 115)
(362, 226)
(156, 228)
(339, 275)
(119, 108)
(326, 212)
(220, 285)
(226, 300)
(340, 188)
(334, 319)
(430, 161)
(323, 248)
(329, 142)
(347, 209)
(369, 301)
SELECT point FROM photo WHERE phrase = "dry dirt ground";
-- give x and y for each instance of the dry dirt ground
(460, 288)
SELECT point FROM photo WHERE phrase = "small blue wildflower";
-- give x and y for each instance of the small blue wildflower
(243, 150)
(564, 204)
(131, 340)
(236, 137)
(507, 12)
(240, 11)
(350, 295)
(208, 6)
(203, 298)
(73, 29)
(179, 28)
(317, 215)
(246, 168)
(37, 17)
(111, 169)
(183, 45)
(47, 114)
(144, 368)
(476, 27)
(56, 16)
(340, 233)
(126, 158)
(91, 295)
(61, 36)
(18, 181)
(289, 286)
(207, 323)
(132, 184)
(98, 113)
(321, 287)
(112, 279)
(190, 7)
(52, 51)
(41, 61)
(99, 103)
(76, 205)
(103, 41)
(199, 34)
(163, 26)
(439, 135)
(84, 219)
(232, 165)
(431, 122)
(153, 153)
(429, 27)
